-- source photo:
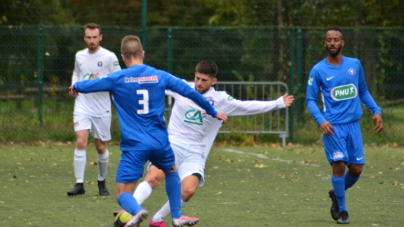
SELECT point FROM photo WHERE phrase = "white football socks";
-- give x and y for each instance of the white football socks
(165, 212)
(79, 165)
(103, 165)
(142, 192)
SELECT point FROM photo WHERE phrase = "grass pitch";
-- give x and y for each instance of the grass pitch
(245, 186)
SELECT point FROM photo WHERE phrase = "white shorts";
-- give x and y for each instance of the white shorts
(189, 161)
(100, 127)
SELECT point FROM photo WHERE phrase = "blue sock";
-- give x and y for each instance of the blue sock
(349, 180)
(129, 203)
(173, 189)
(339, 190)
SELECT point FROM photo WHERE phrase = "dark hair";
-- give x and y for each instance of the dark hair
(92, 26)
(335, 29)
(208, 68)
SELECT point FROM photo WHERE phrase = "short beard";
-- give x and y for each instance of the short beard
(335, 53)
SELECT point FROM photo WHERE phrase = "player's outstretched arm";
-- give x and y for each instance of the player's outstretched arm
(288, 99)
(377, 122)
(72, 92)
(222, 116)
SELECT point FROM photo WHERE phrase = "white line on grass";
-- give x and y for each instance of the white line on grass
(275, 159)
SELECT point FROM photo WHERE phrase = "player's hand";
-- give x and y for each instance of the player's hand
(327, 128)
(378, 122)
(222, 116)
(288, 99)
(72, 92)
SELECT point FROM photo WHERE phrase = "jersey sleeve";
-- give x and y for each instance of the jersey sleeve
(171, 93)
(177, 85)
(313, 88)
(76, 72)
(235, 107)
(364, 94)
(106, 83)
(113, 64)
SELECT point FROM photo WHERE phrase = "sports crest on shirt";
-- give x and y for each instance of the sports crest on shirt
(99, 63)
(351, 72)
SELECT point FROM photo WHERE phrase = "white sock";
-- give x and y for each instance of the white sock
(79, 165)
(103, 165)
(183, 204)
(142, 192)
(165, 212)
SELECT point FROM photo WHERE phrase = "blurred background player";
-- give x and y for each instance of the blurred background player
(92, 112)
(342, 84)
(192, 133)
(139, 98)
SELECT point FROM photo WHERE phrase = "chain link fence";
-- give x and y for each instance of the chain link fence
(36, 65)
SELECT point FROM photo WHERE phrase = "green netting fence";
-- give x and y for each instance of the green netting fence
(36, 65)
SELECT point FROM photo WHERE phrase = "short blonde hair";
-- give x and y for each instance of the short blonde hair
(131, 47)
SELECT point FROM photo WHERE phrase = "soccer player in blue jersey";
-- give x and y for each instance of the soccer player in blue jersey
(342, 84)
(138, 93)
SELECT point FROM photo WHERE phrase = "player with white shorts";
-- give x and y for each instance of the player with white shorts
(92, 112)
(192, 133)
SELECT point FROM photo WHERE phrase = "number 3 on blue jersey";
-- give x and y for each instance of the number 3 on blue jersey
(144, 101)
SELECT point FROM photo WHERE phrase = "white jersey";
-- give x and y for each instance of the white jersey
(191, 126)
(89, 67)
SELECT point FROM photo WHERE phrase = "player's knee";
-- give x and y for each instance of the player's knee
(187, 193)
(100, 149)
(355, 173)
(81, 144)
(355, 170)
(154, 179)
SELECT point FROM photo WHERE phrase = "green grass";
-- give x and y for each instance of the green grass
(287, 188)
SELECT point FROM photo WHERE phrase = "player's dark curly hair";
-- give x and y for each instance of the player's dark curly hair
(208, 68)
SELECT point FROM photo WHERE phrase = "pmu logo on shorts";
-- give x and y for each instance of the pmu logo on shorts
(338, 155)
(195, 116)
(142, 80)
(344, 92)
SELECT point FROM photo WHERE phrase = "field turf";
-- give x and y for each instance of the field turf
(245, 186)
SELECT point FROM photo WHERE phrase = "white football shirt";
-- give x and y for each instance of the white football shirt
(89, 67)
(190, 125)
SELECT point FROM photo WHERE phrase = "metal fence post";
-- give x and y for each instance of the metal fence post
(170, 51)
(299, 76)
(40, 74)
(291, 80)
(144, 27)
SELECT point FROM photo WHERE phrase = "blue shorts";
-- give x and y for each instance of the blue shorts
(132, 163)
(345, 144)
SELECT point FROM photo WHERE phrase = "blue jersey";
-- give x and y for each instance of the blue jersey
(342, 88)
(138, 94)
